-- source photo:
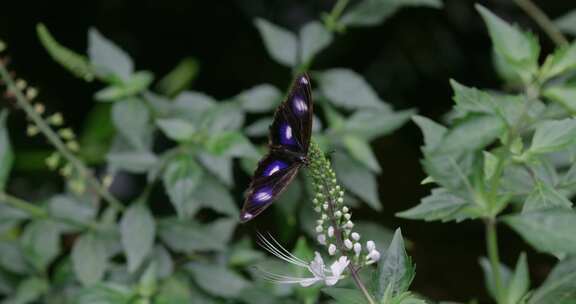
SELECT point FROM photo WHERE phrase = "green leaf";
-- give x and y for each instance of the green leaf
(520, 281)
(550, 231)
(77, 64)
(89, 258)
(345, 295)
(381, 235)
(40, 243)
(561, 61)
(108, 59)
(553, 135)
(567, 23)
(132, 161)
(137, 232)
(347, 89)
(148, 282)
(259, 99)
(491, 163)
(6, 153)
(259, 128)
(186, 236)
(521, 49)
(137, 84)
(564, 94)
(450, 171)
(374, 12)
(281, 44)
(67, 207)
(29, 290)
(505, 275)
(12, 258)
(395, 269)
(109, 293)
(181, 177)
(560, 286)
(370, 124)
(441, 204)
(360, 150)
(223, 117)
(471, 100)
(231, 144)
(180, 78)
(177, 289)
(432, 131)
(217, 280)
(219, 166)
(544, 196)
(357, 179)
(314, 37)
(131, 118)
(212, 194)
(177, 129)
(164, 264)
(471, 134)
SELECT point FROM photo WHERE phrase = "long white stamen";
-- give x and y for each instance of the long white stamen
(286, 256)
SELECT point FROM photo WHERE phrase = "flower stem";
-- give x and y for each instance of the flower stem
(23, 205)
(55, 140)
(338, 9)
(317, 159)
(492, 245)
(543, 21)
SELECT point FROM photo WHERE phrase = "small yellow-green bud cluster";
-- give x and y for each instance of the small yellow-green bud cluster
(334, 226)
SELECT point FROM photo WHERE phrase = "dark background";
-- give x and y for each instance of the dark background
(408, 59)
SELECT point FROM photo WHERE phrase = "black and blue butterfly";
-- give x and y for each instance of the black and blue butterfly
(289, 140)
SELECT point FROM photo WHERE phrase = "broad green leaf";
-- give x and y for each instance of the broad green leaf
(6, 153)
(357, 179)
(395, 269)
(281, 44)
(70, 60)
(90, 258)
(212, 194)
(219, 166)
(373, 12)
(177, 129)
(108, 59)
(12, 258)
(109, 293)
(550, 231)
(432, 131)
(217, 280)
(563, 94)
(223, 117)
(192, 106)
(131, 118)
(505, 275)
(67, 207)
(347, 89)
(517, 47)
(138, 83)
(231, 144)
(259, 128)
(471, 100)
(370, 124)
(567, 23)
(519, 282)
(472, 134)
(163, 260)
(97, 134)
(135, 162)
(450, 171)
(260, 99)
(439, 205)
(491, 162)
(544, 196)
(181, 177)
(137, 232)
(186, 236)
(553, 135)
(560, 286)
(178, 289)
(40, 243)
(314, 37)
(563, 60)
(345, 295)
(179, 78)
(148, 283)
(29, 290)
(361, 151)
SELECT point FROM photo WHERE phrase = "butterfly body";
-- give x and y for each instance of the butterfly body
(289, 140)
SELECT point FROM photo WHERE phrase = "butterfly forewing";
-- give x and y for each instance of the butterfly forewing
(289, 142)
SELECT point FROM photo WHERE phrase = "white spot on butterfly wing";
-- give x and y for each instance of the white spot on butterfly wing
(263, 195)
(246, 216)
(274, 170)
(303, 80)
(288, 132)
(299, 105)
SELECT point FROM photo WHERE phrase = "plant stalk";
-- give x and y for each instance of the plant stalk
(23, 205)
(55, 140)
(338, 9)
(543, 21)
(493, 255)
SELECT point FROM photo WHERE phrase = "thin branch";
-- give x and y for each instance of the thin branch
(543, 21)
(55, 140)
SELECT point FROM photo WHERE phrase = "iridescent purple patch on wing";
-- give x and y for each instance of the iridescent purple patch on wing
(286, 136)
(299, 105)
(262, 195)
(303, 80)
(274, 167)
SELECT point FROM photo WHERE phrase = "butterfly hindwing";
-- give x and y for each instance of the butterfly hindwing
(275, 171)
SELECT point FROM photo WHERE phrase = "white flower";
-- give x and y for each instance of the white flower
(355, 236)
(330, 231)
(331, 249)
(321, 239)
(373, 256)
(370, 246)
(319, 229)
(320, 273)
(357, 248)
(348, 244)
